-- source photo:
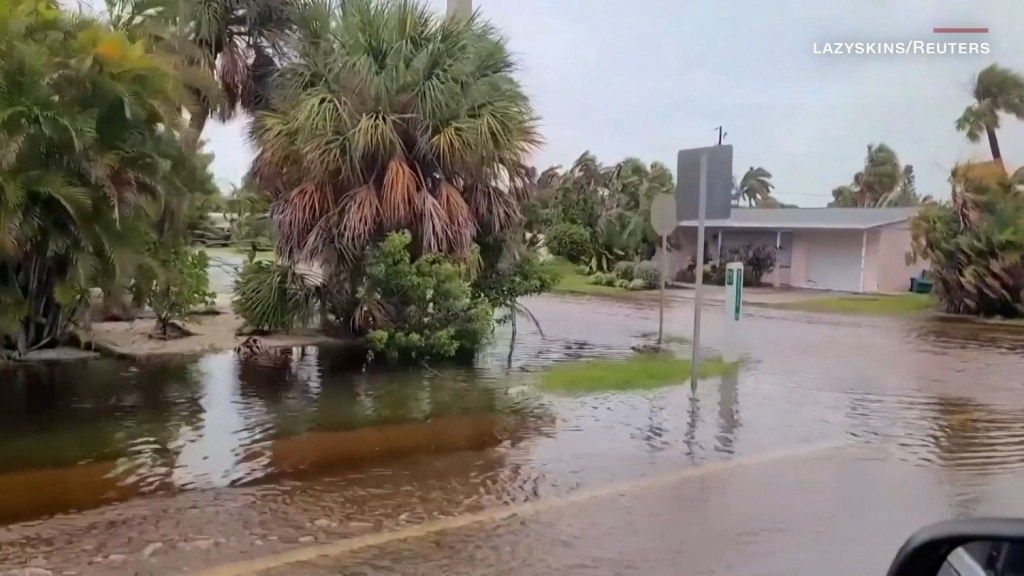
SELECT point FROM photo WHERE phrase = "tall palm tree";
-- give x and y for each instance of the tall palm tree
(905, 194)
(996, 91)
(756, 185)
(387, 118)
(880, 176)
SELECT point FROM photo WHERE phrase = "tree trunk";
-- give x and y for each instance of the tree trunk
(196, 125)
(993, 144)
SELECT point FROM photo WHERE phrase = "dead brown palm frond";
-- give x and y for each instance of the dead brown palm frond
(460, 217)
(494, 208)
(435, 228)
(297, 215)
(235, 76)
(521, 182)
(360, 214)
(398, 201)
(369, 315)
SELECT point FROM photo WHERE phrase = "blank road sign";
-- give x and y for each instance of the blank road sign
(719, 199)
(663, 214)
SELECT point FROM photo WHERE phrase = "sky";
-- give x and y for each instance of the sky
(647, 78)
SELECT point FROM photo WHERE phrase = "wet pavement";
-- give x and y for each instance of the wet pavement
(177, 468)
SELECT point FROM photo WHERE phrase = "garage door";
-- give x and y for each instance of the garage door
(834, 261)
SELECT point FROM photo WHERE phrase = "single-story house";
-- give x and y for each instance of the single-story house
(844, 249)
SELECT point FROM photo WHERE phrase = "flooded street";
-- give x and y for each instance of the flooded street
(157, 468)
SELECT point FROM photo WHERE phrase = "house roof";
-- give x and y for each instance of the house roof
(809, 218)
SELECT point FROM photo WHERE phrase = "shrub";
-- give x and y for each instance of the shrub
(686, 275)
(757, 261)
(624, 270)
(621, 283)
(648, 273)
(270, 297)
(637, 284)
(570, 241)
(602, 279)
(182, 286)
(423, 310)
(975, 245)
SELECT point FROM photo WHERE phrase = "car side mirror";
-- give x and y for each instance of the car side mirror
(976, 547)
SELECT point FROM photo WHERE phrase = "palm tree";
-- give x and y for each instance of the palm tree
(388, 118)
(226, 51)
(88, 150)
(756, 185)
(905, 194)
(880, 176)
(882, 181)
(996, 91)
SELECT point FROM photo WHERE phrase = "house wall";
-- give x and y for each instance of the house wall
(805, 241)
(885, 267)
(686, 239)
(872, 258)
(893, 272)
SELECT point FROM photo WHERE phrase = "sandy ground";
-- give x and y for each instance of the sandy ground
(213, 333)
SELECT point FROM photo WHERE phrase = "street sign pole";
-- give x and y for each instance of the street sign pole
(698, 299)
(733, 309)
(664, 222)
(664, 272)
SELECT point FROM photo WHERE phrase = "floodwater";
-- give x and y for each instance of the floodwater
(156, 468)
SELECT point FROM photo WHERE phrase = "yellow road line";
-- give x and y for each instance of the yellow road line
(305, 554)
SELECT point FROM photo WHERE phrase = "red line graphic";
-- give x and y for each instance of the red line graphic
(960, 30)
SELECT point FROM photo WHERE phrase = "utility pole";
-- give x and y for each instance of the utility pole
(460, 8)
(721, 134)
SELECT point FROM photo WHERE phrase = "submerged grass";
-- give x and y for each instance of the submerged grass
(666, 338)
(884, 305)
(640, 372)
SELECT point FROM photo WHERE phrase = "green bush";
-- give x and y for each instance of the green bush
(423, 310)
(648, 273)
(624, 270)
(602, 279)
(570, 241)
(637, 284)
(270, 297)
(621, 283)
(975, 245)
(182, 286)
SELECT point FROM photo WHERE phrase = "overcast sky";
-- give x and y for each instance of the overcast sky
(647, 77)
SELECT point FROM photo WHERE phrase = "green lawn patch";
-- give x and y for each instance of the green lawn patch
(885, 305)
(572, 282)
(640, 372)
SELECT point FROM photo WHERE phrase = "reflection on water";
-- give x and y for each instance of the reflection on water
(73, 437)
(286, 445)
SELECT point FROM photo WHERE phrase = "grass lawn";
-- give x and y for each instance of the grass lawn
(640, 372)
(572, 282)
(886, 305)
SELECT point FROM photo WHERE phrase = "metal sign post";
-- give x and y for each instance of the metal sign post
(698, 300)
(664, 221)
(733, 309)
